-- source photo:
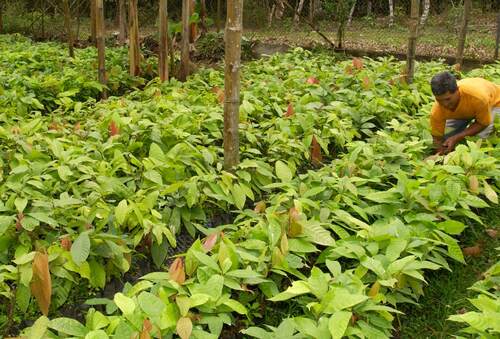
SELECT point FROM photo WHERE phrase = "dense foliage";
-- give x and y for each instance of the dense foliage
(326, 227)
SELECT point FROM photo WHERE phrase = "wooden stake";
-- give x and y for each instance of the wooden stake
(498, 36)
(67, 26)
(232, 82)
(163, 62)
(134, 53)
(463, 32)
(99, 26)
(184, 69)
(122, 22)
(93, 21)
(412, 41)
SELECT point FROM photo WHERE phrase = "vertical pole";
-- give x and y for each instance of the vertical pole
(463, 32)
(99, 27)
(163, 62)
(498, 36)
(93, 21)
(67, 25)
(232, 82)
(184, 69)
(134, 54)
(217, 18)
(122, 22)
(412, 41)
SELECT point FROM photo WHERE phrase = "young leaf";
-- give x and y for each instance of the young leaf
(490, 193)
(176, 271)
(283, 172)
(289, 111)
(184, 327)
(297, 288)
(210, 242)
(41, 283)
(338, 324)
(80, 249)
(113, 128)
(316, 156)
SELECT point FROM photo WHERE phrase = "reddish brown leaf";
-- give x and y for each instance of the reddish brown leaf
(41, 283)
(357, 63)
(457, 67)
(113, 128)
(210, 242)
(147, 327)
(260, 207)
(295, 228)
(184, 327)
(312, 80)
(366, 82)
(289, 111)
(492, 233)
(473, 251)
(66, 243)
(77, 127)
(176, 271)
(54, 126)
(316, 156)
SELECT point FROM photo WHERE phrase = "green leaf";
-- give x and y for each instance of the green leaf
(20, 204)
(153, 176)
(453, 189)
(39, 328)
(121, 212)
(338, 324)
(124, 303)
(97, 334)
(80, 249)
(150, 304)
(235, 306)
(283, 172)
(98, 276)
(239, 196)
(490, 193)
(206, 260)
(64, 172)
(317, 234)
(297, 288)
(156, 153)
(451, 226)
(68, 326)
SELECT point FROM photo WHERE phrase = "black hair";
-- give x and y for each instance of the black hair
(443, 83)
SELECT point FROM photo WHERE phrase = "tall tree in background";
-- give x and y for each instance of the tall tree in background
(134, 51)
(425, 12)
(497, 43)
(203, 16)
(232, 82)
(351, 12)
(184, 69)
(163, 61)
(122, 22)
(93, 21)
(218, 15)
(391, 12)
(193, 26)
(412, 41)
(68, 28)
(298, 11)
(369, 7)
(100, 32)
(463, 32)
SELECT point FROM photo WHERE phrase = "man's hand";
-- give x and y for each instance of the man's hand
(450, 143)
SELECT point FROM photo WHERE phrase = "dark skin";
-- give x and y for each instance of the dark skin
(450, 101)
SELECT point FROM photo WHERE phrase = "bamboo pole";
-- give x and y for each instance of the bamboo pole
(497, 43)
(100, 29)
(412, 41)
(163, 62)
(232, 82)
(67, 26)
(134, 53)
(93, 21)
(463, 32)
(184, 69)
(122, 22)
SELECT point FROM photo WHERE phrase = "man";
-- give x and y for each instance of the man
(462, 109)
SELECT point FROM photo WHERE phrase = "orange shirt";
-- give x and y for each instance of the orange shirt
(477, 98)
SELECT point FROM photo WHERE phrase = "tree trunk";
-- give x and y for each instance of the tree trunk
(412, 41)
(67, 27)
(271, 16)
(203, 16)
(351, 13)
(134, 53)
(122, 22)
(369, 7)
(184, 69)
(218, 17)
(498, 36)
(312, 10)
(391, 12)
(93, 21)
(280, 9)
(78, 20)
(194, 26)
(232, 82)
(296, 17)
(463, 32)
(163, 61)
(1, 17)
(425, 14)
(99, 30)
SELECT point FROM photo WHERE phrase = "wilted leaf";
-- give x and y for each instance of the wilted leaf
(374, 289)
(41, 283)
(492, 233)
(184, 327)
(473, 251)
(146, 329)
(66, 242)
(176, 271)
(260, 207)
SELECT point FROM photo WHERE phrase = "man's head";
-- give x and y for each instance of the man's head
(445, 89)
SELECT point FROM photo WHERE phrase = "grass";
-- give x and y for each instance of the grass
(447, 292)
